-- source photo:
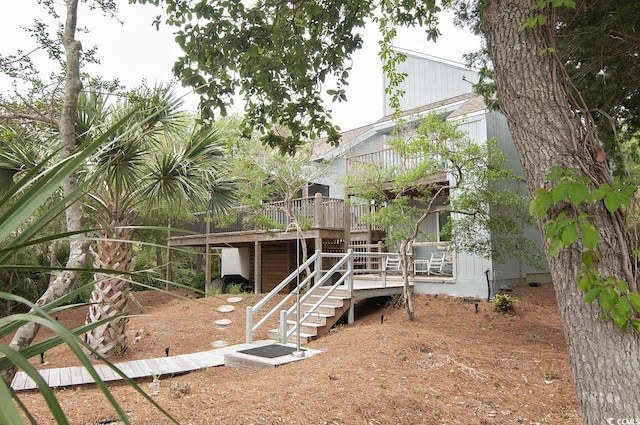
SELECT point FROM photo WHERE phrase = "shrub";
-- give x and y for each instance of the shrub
(234, 288)
(504, 302)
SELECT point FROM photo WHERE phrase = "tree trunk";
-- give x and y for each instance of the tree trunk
(75, 218)
(110, 294)
(548, 131)
(406, 286)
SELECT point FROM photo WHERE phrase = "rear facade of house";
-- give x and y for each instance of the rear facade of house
(265, 258)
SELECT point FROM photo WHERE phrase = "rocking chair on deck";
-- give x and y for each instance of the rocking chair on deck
(440, 264)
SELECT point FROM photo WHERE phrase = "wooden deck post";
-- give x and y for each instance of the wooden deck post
(318, 219)
(346, 213)
(257, 267)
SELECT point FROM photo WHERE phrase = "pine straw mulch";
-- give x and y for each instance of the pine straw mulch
(449, 366)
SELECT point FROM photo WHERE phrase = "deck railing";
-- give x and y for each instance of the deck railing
(315, 211)
(389, 159)
(358, 214)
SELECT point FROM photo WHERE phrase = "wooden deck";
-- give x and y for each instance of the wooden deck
(162, 366)
(373, 285)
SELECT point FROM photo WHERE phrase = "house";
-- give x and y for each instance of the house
(266, 257)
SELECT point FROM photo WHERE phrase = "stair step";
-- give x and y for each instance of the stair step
(328, 310)
(308, 328)
(330, 300)
(315, 317)
(342, 293)
(304, 337)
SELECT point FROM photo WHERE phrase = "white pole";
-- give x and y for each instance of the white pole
(298, 352)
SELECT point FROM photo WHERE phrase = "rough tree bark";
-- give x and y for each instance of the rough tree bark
(548, 131)
(114, 251)
(62, 283)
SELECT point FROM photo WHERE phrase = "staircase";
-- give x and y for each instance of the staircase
(316, 321)
(325, 295)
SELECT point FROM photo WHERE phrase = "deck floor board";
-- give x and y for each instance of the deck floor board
(79, 375)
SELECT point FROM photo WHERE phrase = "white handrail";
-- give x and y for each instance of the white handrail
(338, 266)
(249, 328)
(319, 280)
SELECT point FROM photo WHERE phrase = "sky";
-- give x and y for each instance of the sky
(134, 50)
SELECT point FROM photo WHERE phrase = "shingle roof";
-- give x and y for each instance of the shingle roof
(469, 103)
(320, 147)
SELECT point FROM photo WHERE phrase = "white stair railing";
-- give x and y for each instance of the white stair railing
(327, 277)
(251, 310)
(344, 264)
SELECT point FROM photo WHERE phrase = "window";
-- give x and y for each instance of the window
(318, 188)
(444, 227)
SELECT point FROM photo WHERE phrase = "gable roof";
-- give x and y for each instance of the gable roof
(457, 107)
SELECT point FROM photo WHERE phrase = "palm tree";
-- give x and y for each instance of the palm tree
(162, 161)
(30, 198)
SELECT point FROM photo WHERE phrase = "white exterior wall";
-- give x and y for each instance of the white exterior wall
(430, 81)
(332, 177)
(515, 270)
(469, 269)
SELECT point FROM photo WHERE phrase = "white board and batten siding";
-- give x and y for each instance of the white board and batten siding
(430, 80)
(515, 270)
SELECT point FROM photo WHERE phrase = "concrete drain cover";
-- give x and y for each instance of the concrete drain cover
(226, 308)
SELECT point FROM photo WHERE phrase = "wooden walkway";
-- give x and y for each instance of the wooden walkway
(134, 369)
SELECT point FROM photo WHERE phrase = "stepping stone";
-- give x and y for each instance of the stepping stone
(226, 308)
(220, 343)
(223, 322)
(234, 299)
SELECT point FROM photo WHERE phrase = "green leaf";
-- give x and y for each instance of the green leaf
(578, 192)
(592, 294)
(541, 19)
(634, 298)
(555, 245)
(559, 192)
(552, 230)
(612, 202)
(546, 50)
(528, 23)
(588, 258)
(540, 203)
(624, 307)
(600, 192)
(583, 282)
(621, 314)
(569, 235)
(590, 235)
(9, 413)
(608, 298)
(622, 286)
(620, 320)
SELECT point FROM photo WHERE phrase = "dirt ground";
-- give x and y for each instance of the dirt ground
(449, 366)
